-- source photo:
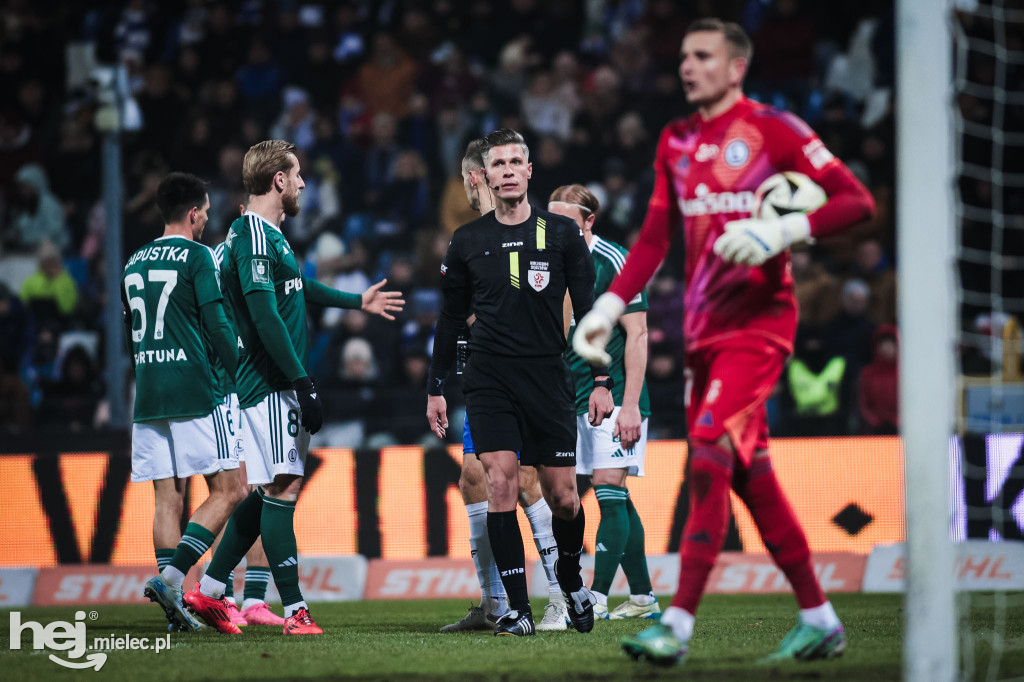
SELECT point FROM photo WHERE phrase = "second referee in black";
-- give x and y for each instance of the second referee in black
(514, 265)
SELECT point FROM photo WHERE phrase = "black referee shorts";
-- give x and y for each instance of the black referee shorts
(525, 405)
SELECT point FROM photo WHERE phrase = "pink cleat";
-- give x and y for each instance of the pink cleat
(233, 614)
(301, 623)
(260, 614)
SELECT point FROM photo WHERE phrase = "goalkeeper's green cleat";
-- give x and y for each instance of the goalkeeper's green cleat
(657, 644)
(808, 643)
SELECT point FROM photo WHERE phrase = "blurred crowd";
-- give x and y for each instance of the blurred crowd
(381, 96)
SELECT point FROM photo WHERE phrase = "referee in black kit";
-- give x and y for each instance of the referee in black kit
(515, 265)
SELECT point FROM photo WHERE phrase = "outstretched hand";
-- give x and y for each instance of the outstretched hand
(382, 303)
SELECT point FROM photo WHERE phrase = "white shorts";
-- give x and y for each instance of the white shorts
(596, 449)
(179, 448)
(232, 416)
(275, 441)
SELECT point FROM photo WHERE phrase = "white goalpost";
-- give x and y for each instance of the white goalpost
(925, 230)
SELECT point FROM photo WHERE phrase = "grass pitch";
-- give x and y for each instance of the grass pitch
(383, 640)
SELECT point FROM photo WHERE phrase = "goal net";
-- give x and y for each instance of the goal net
(988, 466)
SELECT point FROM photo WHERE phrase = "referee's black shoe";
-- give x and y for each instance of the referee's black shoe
(580, 606)
(517, 624)
(579, 602)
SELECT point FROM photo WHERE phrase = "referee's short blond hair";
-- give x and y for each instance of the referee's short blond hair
(262, 162)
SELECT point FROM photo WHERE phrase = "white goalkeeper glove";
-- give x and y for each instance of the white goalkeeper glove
(593, 330)
(754, 240)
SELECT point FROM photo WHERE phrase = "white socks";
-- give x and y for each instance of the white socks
(681, 622)
(292, 609)
(172, 575)
(822, 617)
(250, 602)
(483, 558)
(602, 599)
(642, 599)
(211, 588)
(539, 514)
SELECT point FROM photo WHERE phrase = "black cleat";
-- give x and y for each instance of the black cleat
(517, 624)
(578, 600)
(581, 609)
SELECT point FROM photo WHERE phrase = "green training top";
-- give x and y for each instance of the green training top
(257, 257)
(165, 284)
(608, 260)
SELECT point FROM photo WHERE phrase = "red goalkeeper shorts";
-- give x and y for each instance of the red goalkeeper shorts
(727, 386)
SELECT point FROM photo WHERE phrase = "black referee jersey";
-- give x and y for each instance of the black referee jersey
(515, 277)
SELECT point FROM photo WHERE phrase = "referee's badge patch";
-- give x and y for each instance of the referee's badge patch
(539, 275)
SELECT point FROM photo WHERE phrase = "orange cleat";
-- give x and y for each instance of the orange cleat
(260, 614)
(214, 611)
(301, 623)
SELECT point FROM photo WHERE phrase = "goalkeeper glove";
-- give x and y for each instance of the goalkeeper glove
(754, 240)
(596, 326)
(311, 410)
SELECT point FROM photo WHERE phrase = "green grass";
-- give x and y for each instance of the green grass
(399, 641)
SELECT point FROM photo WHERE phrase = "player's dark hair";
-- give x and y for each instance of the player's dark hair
(739, 42)
(179, 193)
(263, 161)
(474, 156)
(500, 138)
(578, 196)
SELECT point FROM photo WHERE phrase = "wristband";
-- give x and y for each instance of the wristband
(607, 382)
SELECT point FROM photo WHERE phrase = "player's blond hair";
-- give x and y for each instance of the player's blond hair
(263, 161)
(578, 196)
(740, 45)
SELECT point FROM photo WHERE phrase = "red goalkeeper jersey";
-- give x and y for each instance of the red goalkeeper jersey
(706, 174)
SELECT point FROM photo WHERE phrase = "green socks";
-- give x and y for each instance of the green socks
(620, 540)
(612, 533)
(282, 553)
(192, 546)
(163, 558)
(239, 535)
(256, 580)
(634, 558)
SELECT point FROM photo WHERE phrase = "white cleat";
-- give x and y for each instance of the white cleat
(628, 609)
(556, 617)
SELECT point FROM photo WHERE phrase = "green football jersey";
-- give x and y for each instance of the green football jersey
(225, 384)
(257, 257)
(609, 258)
(165, 284)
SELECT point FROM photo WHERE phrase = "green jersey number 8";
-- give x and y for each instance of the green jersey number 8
(138, 304)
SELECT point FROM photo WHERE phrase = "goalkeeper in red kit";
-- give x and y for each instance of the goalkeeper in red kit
(740, 320)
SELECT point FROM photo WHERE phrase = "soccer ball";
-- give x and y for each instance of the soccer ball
(787, 192)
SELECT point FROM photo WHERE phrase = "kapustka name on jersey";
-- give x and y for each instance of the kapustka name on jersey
(710, 203)
(175, 253)
(169, 355)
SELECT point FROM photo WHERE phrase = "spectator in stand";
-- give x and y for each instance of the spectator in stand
(849, 334)
(72, 399)
(37, 214)
(872, 266)
(817, 291)
(879, 386)
(544, 110)
(784, 45)
(15, 399)
(388, 78)
(15, 329)
(50, 291)
(818, 385)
